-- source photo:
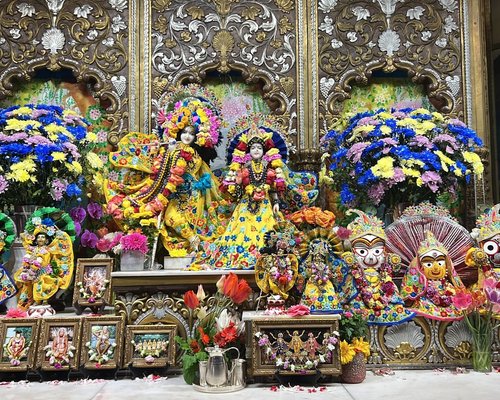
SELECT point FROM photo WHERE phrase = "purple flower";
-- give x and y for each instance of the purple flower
(452, 144)
(399, 176)
(78, 228)
(432, 180)
(78, 214)
(4, 185)
(89, 239)
(58, 188)
(377, 192)
(356, 150)
(421, 141)
(95, 210)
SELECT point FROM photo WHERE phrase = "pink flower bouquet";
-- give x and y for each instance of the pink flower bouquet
(134, 241)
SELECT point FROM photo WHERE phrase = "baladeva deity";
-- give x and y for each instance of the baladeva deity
(371, 268)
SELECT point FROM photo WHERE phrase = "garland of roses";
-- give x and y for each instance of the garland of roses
(375, 302)
(61, 219)
(7, 230)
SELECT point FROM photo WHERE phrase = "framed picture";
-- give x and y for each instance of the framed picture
(59, 344)
(102, 342)
(18, 339)
(150, 345)
(295, 345)
(92, 282)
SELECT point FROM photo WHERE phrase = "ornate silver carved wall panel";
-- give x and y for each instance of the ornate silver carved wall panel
(95, 39)
(356, 37)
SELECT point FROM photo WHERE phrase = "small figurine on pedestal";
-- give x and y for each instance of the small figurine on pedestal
(318, 268)
(374, 292)
(276, 269)
(431, 282)
(47, 267)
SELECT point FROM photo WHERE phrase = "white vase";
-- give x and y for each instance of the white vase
(132, 261)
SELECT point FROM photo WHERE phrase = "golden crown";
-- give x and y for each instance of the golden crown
(364, 225)
(431, 243)
(255, 134)
(488, 223)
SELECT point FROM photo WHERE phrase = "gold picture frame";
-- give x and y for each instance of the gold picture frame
(287, 330)
(92, 283)
(18, 341)
(150, 346)
(59, 344)
(102, 342)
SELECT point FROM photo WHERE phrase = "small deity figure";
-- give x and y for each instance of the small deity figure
(276, 269)
(311, 345)
(102, 343)
(431, 282)
(93, 283)
(7, 285)
(16, 346)
(296, 343)
(280, 345)
(47, 265)
(487, 234)
(167, 177)
(374, 292)
(320, 271)
(60, 344)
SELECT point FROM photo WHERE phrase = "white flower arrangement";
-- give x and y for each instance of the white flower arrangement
(100, 358)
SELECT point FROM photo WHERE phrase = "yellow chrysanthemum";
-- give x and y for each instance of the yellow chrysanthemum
(361, 346)
(18, 125)
(428, 125)
(20, 175)
(347, 353)
(77, 167)
(438, 116)
(22, 111)
(384, 167)
(445, 160)
(411, 172)
(91, 137)
(420, 111)
(475, 160)
(94, 160)
(58, 156)
(385, 130)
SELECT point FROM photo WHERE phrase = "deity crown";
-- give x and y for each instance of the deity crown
(256, 135)
(488, 223)
(364, 225)
(431, 243)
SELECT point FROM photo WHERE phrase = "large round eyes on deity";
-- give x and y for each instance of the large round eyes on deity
(434, 267)
(256, 151)
(188, 135)
(490, 247)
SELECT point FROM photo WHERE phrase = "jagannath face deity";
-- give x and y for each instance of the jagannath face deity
(492, 248)
(369, 251)
(433, 264)
(487, 234)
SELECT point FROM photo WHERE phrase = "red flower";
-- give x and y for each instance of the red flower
(194, 345)
(242, 146)
(205, 339)
(242, 293)
(230, 285)
(227, 335)
(298, 310)
(186, 155)
(191, 300)
(462, 299)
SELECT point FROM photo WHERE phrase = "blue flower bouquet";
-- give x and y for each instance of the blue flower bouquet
(41, 154)
(389, 156)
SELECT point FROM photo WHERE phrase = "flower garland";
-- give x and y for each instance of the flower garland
(54, 218)
(377, 155)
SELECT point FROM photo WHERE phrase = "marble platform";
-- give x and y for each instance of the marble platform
(403, 385)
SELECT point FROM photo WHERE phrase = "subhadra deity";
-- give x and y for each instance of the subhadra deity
(47, 265)
(487, 234)
(165, 180)
(371, 267)
(257, 179)
(431, 282)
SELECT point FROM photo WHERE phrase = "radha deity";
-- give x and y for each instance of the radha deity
(431, 282)
(371, 267)
(167, 177)
(257, 180)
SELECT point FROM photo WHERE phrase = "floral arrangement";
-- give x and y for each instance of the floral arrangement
(481, 307)
(312, 217)
(214, 323)
(353, 329)
(192, 113)
(297, 355)
(385, 155)
(41, 148)
(134, 241)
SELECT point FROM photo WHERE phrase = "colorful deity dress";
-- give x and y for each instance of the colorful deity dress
(47, 265)
(431, 282)
(371, 269)
(7, 285)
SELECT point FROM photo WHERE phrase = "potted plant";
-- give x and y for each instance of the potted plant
(354, 349)
(134, 246)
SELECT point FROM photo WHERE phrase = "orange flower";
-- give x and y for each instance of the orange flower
(309, 215)
(230, 285)
(297, 217)
(242, 293)
(325, 219)
(191, 300)
(205, 339)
